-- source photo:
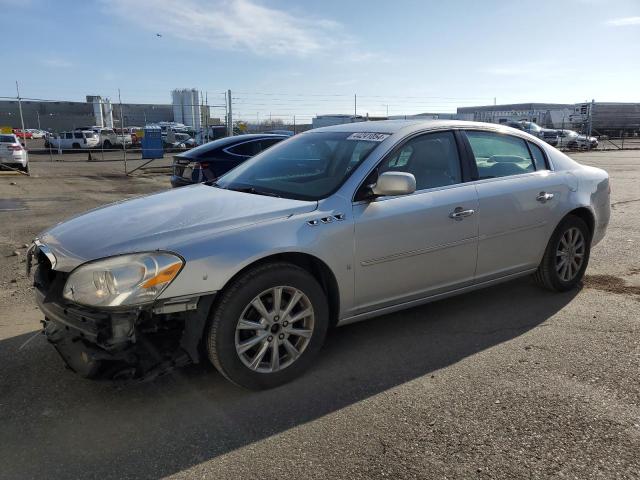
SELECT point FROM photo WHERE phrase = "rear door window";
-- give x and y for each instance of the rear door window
(246, 149)
(267, 142)
(77, 135)
(499, 155)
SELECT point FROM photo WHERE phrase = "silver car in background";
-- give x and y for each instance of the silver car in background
(331, 226)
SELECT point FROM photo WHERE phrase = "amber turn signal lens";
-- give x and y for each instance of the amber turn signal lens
(164, 276)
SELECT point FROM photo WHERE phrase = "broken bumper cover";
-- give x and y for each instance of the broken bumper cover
(139, 343)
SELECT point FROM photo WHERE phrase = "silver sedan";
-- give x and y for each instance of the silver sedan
(332, 226)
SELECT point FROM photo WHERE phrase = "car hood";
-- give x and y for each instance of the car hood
(167, 221)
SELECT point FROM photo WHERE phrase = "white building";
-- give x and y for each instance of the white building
(187, 108)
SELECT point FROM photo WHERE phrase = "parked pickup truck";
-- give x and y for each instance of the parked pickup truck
(107, 137)
(123, 136)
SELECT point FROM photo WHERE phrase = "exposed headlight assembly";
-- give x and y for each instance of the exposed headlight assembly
(124, 280)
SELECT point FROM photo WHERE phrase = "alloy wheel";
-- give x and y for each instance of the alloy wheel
(570, 254)
(274, 329)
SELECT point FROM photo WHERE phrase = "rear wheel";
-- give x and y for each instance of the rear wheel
(268, 326)
(566, 257)
(106, 144)
(76, 146)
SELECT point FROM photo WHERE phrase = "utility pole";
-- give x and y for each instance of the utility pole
(226, 112)
(494, 100)
(294, 124)
(20, 108)
(124, 144)
(355, 106)
(38, 116)
(208, 115)
(229, 115)
(590, 124)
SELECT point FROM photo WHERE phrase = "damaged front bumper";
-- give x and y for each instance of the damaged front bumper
(140, 343)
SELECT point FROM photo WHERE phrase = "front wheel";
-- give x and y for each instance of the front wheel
(268, 326)
(566, 257)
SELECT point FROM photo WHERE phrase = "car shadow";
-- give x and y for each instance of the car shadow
(55, 424)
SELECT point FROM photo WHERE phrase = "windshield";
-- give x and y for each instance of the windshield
(305, 167)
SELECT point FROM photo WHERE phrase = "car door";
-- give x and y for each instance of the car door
(519, 199)
(413, 246)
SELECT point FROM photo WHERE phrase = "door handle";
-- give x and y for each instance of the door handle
(459, 213)
(544, 196)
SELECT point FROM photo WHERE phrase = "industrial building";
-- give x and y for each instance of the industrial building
(58, 116)
(550, 115)
(187, 108)
(608, 118)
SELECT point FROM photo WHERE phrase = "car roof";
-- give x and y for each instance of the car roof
(393, 126)
(226, 142)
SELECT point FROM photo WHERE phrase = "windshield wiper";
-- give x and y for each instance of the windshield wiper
(253, 190)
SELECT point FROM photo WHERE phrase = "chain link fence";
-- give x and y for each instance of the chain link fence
(98, 130)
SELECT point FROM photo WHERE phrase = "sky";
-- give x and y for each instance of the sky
(282, 57)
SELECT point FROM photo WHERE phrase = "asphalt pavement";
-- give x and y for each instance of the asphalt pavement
(507, 382)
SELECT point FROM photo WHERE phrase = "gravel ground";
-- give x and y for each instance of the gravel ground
(508, 382)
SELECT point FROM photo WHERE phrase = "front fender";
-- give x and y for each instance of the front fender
(211, 263)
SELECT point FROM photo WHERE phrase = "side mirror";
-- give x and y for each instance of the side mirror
(394, 183)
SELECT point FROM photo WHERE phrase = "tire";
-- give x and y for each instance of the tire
(106, 144)
(552, 274)
(224, 341)
(76, 146)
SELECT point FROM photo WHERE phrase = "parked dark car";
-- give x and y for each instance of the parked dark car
(213, 159)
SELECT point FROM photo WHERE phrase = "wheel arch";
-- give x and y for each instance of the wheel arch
(586, 215)
(312, 264)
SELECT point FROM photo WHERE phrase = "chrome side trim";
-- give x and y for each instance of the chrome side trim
(513, 230)
(412, 253)
(432, 298)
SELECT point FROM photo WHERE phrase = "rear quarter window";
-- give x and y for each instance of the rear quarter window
(539, 159)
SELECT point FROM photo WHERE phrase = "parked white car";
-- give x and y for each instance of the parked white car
(12, 153)
(76, 140)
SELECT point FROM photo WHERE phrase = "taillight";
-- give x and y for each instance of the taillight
(15, 148)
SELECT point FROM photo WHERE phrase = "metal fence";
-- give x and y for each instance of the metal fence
(613, 126)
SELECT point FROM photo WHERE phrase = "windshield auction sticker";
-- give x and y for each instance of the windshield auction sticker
(372, 137)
